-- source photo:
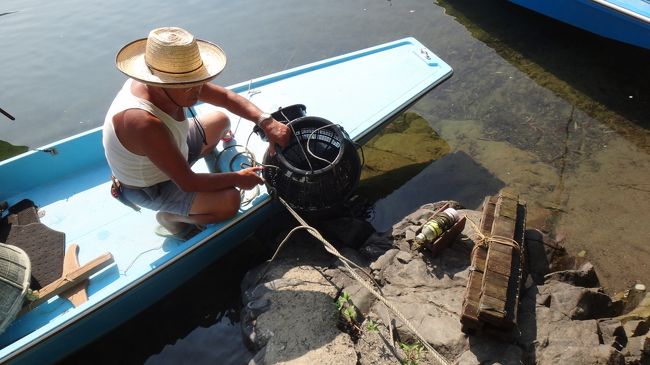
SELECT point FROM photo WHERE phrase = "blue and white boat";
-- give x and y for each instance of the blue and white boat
(69, 181)
(626, 21)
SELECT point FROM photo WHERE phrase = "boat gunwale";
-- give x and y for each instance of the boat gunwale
(643, 18)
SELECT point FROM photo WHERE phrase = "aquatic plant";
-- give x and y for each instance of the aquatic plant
(372, 326)
(348, 316)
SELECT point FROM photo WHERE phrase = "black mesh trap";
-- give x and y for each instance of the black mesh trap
(284, 115)
(317, 170)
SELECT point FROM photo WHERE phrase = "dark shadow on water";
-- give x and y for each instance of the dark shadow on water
(606, 79)
(388, 164)
(454, 177)
(377, 187)
(203, 311)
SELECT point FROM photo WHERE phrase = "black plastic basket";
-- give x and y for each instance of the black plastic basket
(319, 168)
(289, 113)
(284, 115)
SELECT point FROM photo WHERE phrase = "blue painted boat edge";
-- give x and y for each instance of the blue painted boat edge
(275, 77)
(13, 182)
(635, 8)
(38, 166)
(595, 17)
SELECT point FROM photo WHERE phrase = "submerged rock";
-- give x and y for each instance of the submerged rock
(300, 311)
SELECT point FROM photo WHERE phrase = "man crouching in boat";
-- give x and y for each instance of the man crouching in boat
(150, 144)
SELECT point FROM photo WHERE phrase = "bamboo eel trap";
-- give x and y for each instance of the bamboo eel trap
(497, 265)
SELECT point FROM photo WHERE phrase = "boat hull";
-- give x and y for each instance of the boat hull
(624, 22)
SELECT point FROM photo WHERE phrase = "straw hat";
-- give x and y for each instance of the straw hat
(171, 57)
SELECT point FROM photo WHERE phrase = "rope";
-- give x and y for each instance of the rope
(485, 240)
(311, 137)
(250, 92)
(346, 262)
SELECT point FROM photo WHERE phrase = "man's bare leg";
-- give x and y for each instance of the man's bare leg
(216, 125)
(207, 208)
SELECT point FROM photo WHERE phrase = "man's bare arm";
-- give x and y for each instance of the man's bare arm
(157, 144)
(220, 96)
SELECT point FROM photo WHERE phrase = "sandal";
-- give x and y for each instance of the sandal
(185, 234)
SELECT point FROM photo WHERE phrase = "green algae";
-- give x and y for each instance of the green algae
(400, 151)
(8, 150)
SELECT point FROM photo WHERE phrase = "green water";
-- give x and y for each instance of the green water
(8, 150)
(387, 165)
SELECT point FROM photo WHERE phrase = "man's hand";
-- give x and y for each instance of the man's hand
(249, 178)
(277, 133)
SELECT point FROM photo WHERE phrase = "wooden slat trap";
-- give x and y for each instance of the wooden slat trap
(492, 294)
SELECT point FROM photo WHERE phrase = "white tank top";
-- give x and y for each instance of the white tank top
(127, 167)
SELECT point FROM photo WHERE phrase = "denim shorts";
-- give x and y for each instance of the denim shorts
(167, 196)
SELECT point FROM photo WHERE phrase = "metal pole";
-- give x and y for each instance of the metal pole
(7, 114)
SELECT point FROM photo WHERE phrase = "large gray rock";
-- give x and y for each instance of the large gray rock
(612, 333)
(300, 323)
(585, 276)
(290, 316)
(576, 302)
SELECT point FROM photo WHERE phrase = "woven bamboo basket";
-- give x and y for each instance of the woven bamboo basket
(15, 274)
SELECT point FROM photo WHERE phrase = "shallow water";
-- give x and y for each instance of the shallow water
(558, 114)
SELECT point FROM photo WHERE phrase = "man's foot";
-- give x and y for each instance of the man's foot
(168, 222)
(185, 234)
(228, 136)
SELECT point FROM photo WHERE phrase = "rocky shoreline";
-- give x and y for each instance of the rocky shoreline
(304, 306)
